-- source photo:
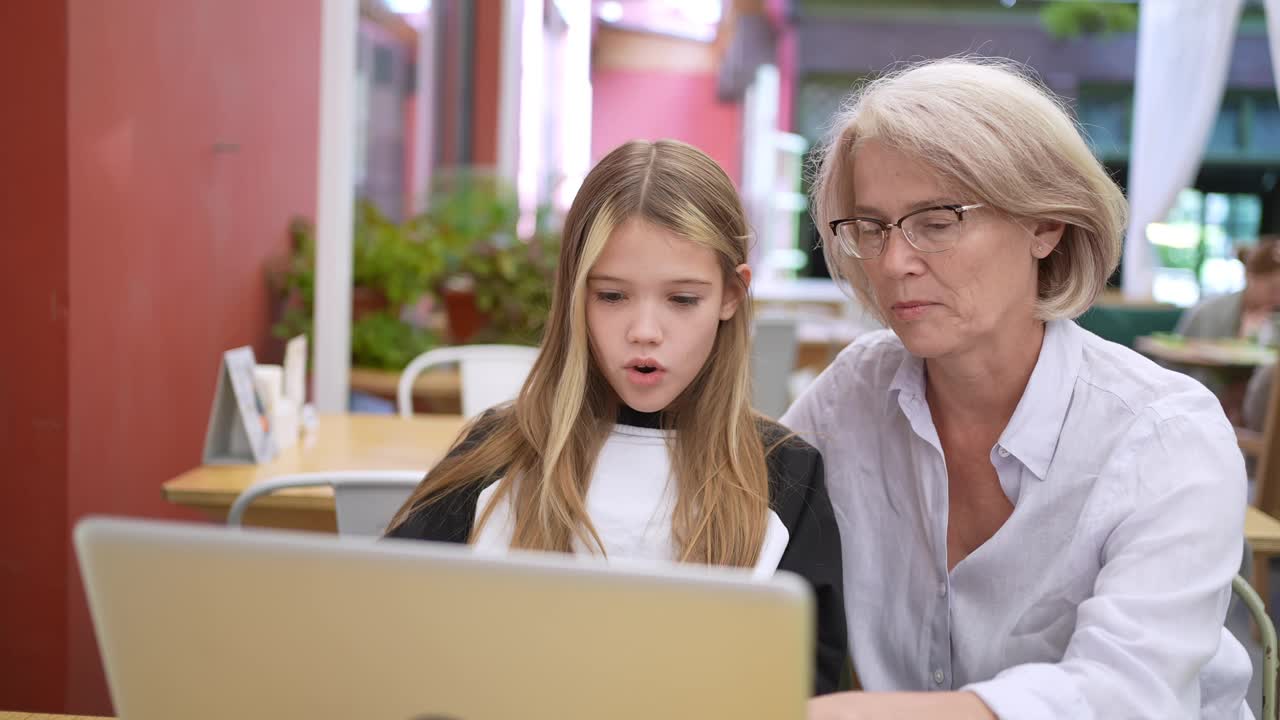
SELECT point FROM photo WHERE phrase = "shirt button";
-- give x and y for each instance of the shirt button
(937, 676)
(1002, 452)
(942, 589)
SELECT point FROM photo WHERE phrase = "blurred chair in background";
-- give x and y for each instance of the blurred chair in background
(491, 374)
(365, 500)
(773, 358)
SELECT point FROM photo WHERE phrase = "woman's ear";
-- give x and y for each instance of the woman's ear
(1045, 237)
(735, 292)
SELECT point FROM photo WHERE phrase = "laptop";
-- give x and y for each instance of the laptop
(201, 622)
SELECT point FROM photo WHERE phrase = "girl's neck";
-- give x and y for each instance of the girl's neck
(629, 416)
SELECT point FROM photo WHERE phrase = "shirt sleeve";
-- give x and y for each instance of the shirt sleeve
(805, 415)
(1155, 618)
(813, 552)
(449, 518)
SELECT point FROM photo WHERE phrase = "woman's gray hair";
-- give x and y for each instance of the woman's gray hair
(998, 137)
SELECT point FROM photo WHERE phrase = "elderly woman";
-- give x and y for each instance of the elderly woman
(1036, 523)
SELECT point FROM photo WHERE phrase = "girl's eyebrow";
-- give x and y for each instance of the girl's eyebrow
(677, 281)
(605, 278)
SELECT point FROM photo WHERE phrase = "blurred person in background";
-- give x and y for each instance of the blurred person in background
(1242, 314)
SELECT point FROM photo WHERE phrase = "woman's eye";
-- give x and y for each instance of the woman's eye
(686, 300)
(609, 296)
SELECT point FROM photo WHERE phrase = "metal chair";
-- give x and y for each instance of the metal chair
(1267, 631)
(491, 374)
(365, 500)
(773, 357)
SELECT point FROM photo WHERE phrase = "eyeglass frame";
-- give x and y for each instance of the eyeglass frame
(887, 228)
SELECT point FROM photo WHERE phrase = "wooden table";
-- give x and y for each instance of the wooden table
(1206, 353)
(340, 442)
(1227, 361)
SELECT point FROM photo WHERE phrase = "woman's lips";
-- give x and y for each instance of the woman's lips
(911, 309)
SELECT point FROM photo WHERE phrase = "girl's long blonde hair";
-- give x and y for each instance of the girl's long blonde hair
(544, 446)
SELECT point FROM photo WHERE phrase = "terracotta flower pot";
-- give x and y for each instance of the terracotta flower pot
(464, 316)
(366, 301)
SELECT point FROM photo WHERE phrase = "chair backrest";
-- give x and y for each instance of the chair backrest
(491, 374)
(1267, 633)
(773, 358)
(365, 500)
(1124, 324)
(1267, 472)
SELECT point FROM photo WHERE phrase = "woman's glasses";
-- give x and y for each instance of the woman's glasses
(929, 230)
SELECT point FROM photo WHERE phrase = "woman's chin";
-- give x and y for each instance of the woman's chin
(924, 342)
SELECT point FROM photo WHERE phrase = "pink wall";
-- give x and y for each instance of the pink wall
(654, 104)
(162, 148)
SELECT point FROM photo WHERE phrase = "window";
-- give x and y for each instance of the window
(1196, 246)
(1247, 128)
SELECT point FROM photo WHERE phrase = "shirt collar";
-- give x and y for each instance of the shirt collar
(907, 386)
(1032, 432)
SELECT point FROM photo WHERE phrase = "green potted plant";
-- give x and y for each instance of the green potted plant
(512, 285)
(392, 268)
(1073, 18)
(495, 284)
(464, 250)
(471, 216)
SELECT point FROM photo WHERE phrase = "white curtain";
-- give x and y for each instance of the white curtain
(1273, 38)
(1184, 48)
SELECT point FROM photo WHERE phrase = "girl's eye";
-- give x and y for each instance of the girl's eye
(686, 300)
(609, 296)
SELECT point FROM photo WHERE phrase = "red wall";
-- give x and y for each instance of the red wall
(486, 72)
(654, 104)
(33, 354)
(186, 140)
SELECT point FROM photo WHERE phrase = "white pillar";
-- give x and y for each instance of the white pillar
(760, 163)
(424, 104)
(509, 78)
(335, 205)
(531, 167)
(575, 111)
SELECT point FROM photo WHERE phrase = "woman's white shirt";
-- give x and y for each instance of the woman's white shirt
(1102, 596)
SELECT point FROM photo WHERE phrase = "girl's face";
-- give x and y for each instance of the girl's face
(654, 303)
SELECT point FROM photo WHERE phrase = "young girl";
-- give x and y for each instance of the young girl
(633, 436)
